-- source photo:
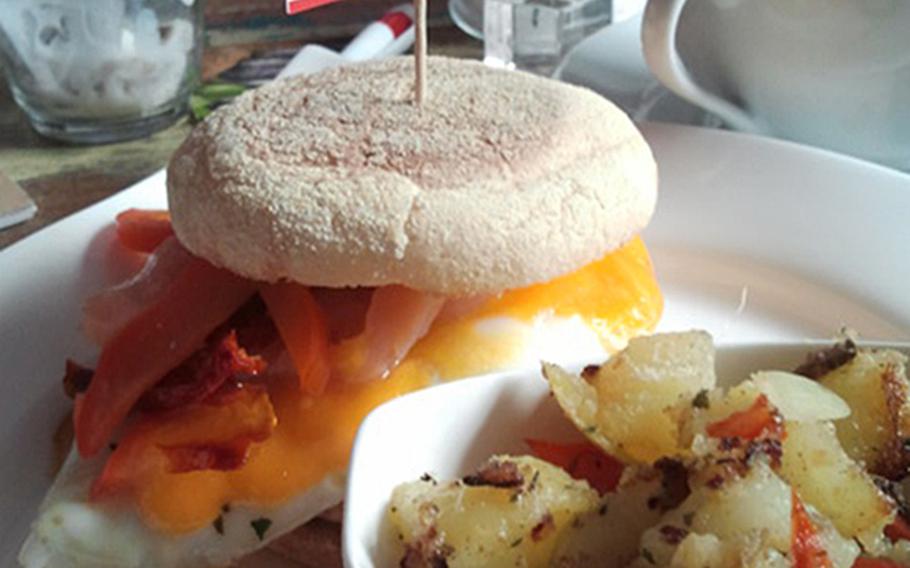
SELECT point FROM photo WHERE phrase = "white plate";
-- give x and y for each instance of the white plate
(753, 239)
(462, 424)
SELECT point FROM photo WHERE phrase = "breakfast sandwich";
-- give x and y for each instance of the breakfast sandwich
(330, 245)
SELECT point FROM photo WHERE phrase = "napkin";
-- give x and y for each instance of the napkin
(15, 205)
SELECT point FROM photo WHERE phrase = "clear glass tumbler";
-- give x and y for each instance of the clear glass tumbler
(536, 35)
(96, 71)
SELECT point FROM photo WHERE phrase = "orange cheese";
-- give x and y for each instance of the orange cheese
(616, 296)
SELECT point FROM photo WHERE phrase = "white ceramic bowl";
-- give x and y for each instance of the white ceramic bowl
(448, 430)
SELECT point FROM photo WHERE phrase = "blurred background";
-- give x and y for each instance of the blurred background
(836, 78)
(63, 178)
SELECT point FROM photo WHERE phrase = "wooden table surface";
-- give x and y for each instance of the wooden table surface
(63, 179)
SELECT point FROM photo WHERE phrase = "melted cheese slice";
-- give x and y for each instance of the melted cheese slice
(617, 297)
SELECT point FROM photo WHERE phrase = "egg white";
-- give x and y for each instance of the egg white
(70, 532)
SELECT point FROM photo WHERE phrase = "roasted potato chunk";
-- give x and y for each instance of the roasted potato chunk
(816, 465)
(714, 478)
(630, 406)
(746, 517)
(608, 537)
(709, 407)
(792, 398)
(899, 552)
(875, 386)
(707, 551)
(512, 512)
(743, 512)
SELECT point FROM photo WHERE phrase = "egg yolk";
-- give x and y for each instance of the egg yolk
(616, 296)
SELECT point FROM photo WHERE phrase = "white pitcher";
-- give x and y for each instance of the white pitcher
(831, 73)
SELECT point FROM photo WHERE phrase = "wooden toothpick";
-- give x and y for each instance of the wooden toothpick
(420, 50)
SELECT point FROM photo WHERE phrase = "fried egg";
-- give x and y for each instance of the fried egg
(216, 517)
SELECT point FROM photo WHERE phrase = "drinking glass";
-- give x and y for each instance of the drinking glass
(536, 35)
(95, 71)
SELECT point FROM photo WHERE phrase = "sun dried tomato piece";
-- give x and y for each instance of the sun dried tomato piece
(215, 434)
(197, 299)
(223, 456)
(203, 374)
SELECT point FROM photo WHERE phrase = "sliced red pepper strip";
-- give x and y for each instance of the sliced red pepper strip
(581, 460)
(142, 230)
(757, 420)
(157, 339)
(215, 434)
(108, 311)
(303, 330)
(805, 543)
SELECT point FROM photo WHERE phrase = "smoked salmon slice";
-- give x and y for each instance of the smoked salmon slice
(171, 315)
(107, 312)
(398, 317)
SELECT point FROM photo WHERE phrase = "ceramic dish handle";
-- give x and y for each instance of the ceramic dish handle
(658, 37)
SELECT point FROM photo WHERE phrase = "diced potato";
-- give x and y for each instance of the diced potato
(826, 478)
(740, 511)
(609, 536)
(707, 551)
(875, 386)
(841, 550)
(631, 405)
(899, 552)
(712, 406)
(511, 513)
(731, 503)
(793, 397)
(704, 551)
(740, 521)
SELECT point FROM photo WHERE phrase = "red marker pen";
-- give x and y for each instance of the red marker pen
(379, 38)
